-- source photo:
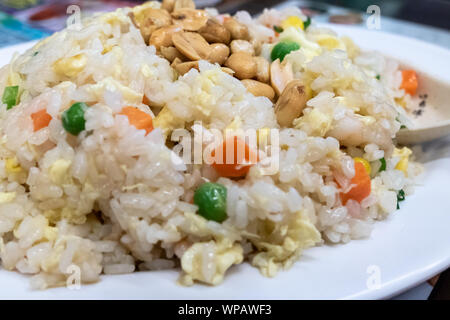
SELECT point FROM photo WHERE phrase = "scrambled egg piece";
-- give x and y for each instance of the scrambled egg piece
(314, 123)
(167, 122)
(197, 225)
(403, 154)
(203, 99)
(70, 214)
(351, 48)
(330, 42)
(14, 78)
(113, 17)
(281, 245)
(6, 197)
(309, 48)
(12, 165)
(50, 233)
(401, 102)
(58, 170)
(128, 94)
(208, 261)
(70, 66)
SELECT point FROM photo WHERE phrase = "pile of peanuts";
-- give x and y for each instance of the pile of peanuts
(184, 35)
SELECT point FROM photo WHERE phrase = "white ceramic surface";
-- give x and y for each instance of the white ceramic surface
(412, 245)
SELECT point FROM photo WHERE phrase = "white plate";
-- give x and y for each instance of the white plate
(412, 245)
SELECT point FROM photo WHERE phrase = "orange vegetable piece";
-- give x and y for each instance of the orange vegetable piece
(41, 119)
(138, 118)
(240, 158)
(360, 185)
(409, 81)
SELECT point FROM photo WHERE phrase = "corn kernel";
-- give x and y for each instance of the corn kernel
(293, 21)
(402, 165)
(365, 163)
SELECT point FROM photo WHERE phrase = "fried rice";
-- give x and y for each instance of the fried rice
(118, 199)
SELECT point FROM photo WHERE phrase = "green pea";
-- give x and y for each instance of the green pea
(282, 49)
(400, 197)
(211, 199)
(307, 23)
(73, 118)
(383, 165)
(278, 29)
(10, 95)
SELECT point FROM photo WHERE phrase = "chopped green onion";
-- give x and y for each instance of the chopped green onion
(400, 197)
(211, 199)
(378, 77)
(282, 49)
(73, 118)
(10, 96)
(383, 165)
(307, 23)
(402, 126)
(35, 53)
(278, 29)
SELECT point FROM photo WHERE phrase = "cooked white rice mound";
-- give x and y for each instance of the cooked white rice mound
(113, 200)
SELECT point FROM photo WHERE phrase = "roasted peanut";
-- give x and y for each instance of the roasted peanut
(189, 19)
(227, 70)
(171, 53)
(262, 69)
(192, 45)
(168, 5)
(242, 46)
(184, 4)
(175, 62)
(280, 75)
(237, 30)
(151, 19)
(219, 53)
(214, 32)
(242, 64)
(162, 37)
(184, 67)
(291, 103)
(259, 89)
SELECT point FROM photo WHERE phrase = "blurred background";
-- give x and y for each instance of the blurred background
(427, 20)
